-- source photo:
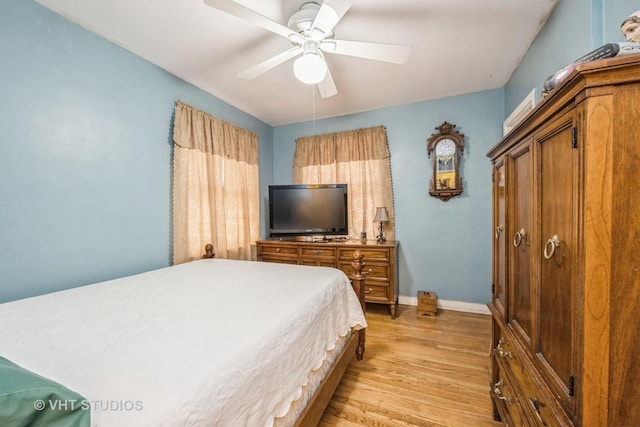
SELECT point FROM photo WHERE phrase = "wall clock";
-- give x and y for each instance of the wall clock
(445, 149)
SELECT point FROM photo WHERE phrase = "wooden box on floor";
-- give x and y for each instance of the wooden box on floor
(427, 303)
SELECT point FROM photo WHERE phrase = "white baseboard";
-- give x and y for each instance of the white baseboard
(468, 307)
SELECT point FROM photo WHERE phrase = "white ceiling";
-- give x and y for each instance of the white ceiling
(458, 47)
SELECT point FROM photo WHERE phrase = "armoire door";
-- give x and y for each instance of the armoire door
(521, 297)
(500, 239)
(558, 218)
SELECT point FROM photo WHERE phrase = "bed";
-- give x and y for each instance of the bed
(208, 342)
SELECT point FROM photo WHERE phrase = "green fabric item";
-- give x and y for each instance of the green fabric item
(28, 399)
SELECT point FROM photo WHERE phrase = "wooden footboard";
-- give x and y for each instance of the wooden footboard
(318, 403)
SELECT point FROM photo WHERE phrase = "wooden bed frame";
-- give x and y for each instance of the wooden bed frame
(354, 347)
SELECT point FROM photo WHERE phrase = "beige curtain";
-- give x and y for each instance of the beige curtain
(215, 187)
(359, 158)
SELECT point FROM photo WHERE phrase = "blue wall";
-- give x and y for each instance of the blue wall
(444, 246)
(575, 28)
(85, 182)
(85, 172)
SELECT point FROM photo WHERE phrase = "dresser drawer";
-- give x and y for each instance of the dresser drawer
(373, 292)
(280, 250)
(318, 251)
(319, 262)
(374, 273)
(280, 260)
(370, 254)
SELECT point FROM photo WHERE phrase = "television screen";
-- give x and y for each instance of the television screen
(307, 210)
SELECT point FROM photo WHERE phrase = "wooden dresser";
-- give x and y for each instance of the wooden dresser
(381, 285)
(566, 273)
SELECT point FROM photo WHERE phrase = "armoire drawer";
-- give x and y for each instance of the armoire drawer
(506, 399)
(538, 404)
(509, 355)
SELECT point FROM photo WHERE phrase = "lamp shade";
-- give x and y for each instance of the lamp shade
(310, 68)
(381, 215)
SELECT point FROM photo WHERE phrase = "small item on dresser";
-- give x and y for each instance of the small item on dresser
(208, 251)
(427, 303)
(608, 50)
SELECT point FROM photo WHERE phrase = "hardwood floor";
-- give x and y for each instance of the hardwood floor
(418, 371)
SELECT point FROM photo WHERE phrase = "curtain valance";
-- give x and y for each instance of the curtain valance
(355, 145)
(196, 129)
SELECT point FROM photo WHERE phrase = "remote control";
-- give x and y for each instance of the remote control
(608, 50)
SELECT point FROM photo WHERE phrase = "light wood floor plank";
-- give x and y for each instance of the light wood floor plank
(418, 371)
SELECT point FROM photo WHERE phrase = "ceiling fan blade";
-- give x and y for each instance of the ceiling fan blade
(327, 87)
(328, 16)
(249, 15)
(264, 66)
(394, 53)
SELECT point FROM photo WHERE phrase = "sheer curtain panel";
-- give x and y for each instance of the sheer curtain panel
(215, 186)
(359, 158)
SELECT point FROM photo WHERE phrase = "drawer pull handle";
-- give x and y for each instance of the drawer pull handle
(368, 291)
(501, 351)
(517, 238)
(505, 354)
(277, 249)
(364, 273)
(535, 404)
(553, 242)
(497, 389)
(506, 399)
(499, 230)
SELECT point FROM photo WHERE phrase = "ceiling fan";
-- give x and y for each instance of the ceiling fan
(310, 31)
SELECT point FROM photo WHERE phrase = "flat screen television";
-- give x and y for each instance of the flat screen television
(308, 210)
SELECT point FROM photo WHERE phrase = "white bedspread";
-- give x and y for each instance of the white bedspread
(211, 342)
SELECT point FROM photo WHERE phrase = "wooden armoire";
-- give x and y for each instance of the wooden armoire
(566, 273)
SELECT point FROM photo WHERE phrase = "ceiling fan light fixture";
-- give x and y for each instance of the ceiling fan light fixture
(310, 68)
